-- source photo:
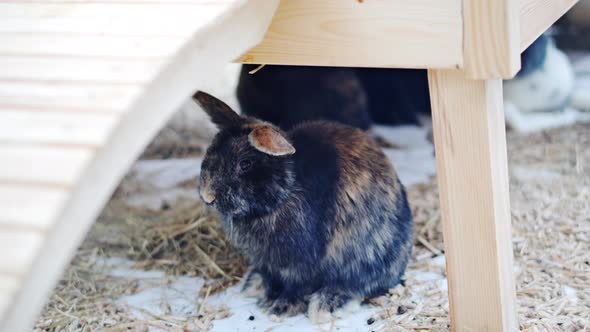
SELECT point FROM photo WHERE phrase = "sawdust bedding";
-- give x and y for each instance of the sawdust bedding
(550, 200)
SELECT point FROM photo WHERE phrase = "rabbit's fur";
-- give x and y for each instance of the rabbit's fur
(318, 211)
(395, 96)
(289, 95)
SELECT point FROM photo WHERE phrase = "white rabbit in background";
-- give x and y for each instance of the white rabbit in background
(542, 94)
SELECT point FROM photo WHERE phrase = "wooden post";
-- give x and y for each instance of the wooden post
(491, 38)
(470, 142)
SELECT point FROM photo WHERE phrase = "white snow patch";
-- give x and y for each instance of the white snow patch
(423, 283)
(165, 296)
(131, 273)
(165, 174)
(529, 173)
(155, 201)
(157, 293)
(242, 308)
(151, 183)
(427, 276)
(571, 294)
(414, 162)
(439, 260)
(178, 296)
(408, 137)
(443, 284)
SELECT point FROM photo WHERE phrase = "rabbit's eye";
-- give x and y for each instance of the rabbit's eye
(244, 165)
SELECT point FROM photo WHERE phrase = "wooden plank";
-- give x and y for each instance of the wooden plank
(98, 46)
(375, 33)
(51, 166)
(6, 301)
(492, 38)
(121, 19)
(141, 27)
(196, 2)
(29, 207)
(17, 250)
(536, 16)
(151, 11)
(87, 97)
(67, 128)
(77, 69)
(212, 43)
(469, 135)
(8, 284)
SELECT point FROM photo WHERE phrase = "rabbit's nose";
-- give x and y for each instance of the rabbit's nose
(207, 195)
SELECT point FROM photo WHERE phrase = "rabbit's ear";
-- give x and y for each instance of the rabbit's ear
(220, 113)
(270, 141)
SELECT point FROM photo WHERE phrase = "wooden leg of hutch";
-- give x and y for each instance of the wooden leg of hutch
(469, 134)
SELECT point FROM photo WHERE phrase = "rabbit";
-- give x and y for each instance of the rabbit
(289, 95)
(545, 82)
(396, 96)
(318, 211)
(543, 94)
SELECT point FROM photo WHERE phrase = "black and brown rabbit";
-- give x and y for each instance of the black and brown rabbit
(318, 211)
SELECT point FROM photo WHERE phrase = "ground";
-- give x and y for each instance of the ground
(156, 259)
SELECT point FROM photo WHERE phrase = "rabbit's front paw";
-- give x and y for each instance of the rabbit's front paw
(254, 285)
(326, 304)
(284, 307)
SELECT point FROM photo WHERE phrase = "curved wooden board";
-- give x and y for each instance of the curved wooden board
(73, 120)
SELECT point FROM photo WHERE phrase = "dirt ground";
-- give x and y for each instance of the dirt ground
(550, 201)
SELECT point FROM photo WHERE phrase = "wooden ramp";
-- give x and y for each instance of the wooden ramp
(84, 86)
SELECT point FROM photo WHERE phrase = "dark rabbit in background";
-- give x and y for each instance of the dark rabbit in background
(396, 96)
(317, 210)
(289, 95)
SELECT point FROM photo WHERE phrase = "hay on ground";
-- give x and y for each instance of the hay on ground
(550, 198)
